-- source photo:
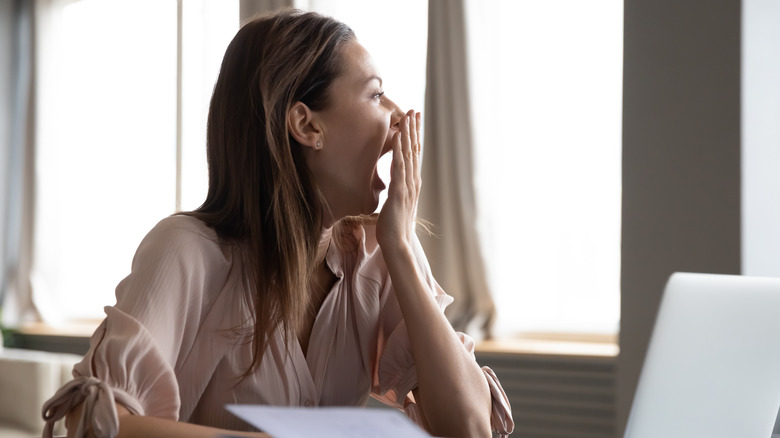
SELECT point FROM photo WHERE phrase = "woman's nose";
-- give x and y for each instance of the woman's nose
(396, 114)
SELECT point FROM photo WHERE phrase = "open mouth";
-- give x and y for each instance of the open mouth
(381, 176)
(386, 148)
(382, 171)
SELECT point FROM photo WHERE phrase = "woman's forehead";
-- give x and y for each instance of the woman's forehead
(358, 63)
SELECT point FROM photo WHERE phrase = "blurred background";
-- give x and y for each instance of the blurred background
(121, 96)
(576, 154)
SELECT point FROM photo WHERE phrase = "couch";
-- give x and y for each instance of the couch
(27, 379)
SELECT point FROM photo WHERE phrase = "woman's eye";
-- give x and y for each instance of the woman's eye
(378, 95)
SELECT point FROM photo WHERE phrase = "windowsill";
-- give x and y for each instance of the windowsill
(555, 344)
(72, 337)
(74, 329)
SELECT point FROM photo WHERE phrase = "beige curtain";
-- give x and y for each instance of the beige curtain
(447, 199)
(17, 158)
(250, 8)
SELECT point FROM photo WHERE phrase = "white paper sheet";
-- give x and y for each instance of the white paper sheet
(327, 422)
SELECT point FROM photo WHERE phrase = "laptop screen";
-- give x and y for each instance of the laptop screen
(712, 368)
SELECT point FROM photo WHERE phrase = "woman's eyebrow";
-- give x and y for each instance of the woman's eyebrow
(375, 77)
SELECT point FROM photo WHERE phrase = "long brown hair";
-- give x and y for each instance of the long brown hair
(261, 194)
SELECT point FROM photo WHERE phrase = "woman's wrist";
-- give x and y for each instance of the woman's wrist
(403, 269)
(396, 250)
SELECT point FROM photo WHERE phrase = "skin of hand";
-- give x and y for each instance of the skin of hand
(452, 392)
(151, 427)
(395, 225)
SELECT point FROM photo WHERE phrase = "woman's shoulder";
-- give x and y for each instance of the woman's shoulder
(184, 224)
(183, 234)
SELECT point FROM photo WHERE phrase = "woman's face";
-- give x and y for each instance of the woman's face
(355, 130)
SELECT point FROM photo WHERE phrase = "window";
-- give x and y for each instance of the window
(122, 122)
(112, 160)
(546, 101)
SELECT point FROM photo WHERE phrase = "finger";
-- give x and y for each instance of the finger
(413, 131)
(418, 118)
(406, 129)
(418, 155)
(406, 139)
(414, 140)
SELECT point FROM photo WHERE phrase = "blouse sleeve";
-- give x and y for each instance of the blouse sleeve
(395, 376)
(133, 354)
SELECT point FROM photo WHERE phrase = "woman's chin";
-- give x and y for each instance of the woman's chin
(377, 187)
(371, 204)
(374, 208)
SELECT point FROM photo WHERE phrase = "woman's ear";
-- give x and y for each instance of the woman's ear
(302, 127)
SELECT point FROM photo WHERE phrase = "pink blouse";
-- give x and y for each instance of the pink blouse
(178, 340)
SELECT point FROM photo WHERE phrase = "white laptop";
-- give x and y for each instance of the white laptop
(713, 365)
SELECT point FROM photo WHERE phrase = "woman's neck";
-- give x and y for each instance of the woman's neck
(322, 246)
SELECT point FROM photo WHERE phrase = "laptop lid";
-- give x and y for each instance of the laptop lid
(713, 364)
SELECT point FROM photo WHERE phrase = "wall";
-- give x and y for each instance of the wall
(681, 160)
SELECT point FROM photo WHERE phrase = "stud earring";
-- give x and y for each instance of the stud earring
(319, 145)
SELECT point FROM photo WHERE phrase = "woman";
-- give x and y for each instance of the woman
(280, 289)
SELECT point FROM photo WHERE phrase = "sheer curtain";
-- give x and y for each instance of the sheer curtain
(547, 100)
(17, 93)
(106, 144)
(122, 92)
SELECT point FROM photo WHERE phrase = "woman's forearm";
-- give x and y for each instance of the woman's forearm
(131, 426)
(454, 395)
(150, 427)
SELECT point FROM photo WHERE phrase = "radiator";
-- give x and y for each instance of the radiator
(556, 395)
